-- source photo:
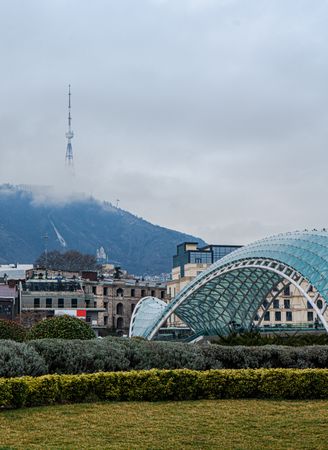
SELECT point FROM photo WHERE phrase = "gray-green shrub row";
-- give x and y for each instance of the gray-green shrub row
(113, 354)
(154, 385)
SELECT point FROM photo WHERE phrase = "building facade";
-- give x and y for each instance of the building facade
(106, 302)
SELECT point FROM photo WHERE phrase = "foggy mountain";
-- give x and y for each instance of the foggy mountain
(28, 223)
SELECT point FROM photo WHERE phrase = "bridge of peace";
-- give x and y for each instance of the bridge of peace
(240, 287)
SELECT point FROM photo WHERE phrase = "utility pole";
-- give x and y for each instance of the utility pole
(45, 239)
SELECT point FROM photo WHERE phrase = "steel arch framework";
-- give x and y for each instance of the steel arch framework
(234, 289)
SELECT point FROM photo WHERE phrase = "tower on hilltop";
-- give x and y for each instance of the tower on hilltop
(69, 134)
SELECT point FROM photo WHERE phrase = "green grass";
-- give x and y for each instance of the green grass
(206, 424)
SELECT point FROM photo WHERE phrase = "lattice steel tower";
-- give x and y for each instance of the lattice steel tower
(69, 134)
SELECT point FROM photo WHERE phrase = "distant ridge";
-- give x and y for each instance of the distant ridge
(83, 224)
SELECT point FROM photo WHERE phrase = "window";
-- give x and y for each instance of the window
(60, 303)
(87, 303)
(289, 316)
(310, 288)
(95, 304)
(309, 306)
(105, 291)
(277, 316)
(133, 292)
(119, 309)
(143, 293)
(319, 304)
(287, 303)
(162, 294)
(276, 303)
(287, 291)
(310, 316)
(106, 320)
(74, 303)
(267, 315)
(265, 303)
(132, 307)
(256, 317)
(94, 290)
(36, 303)
(48, 302)
(120, 323)
(152, 293)
(119, 292)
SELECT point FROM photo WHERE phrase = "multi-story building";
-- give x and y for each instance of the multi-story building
(189, 262)
(52, 296)
(105, 302)
(119, 297)
(9, 301)
(289, 308)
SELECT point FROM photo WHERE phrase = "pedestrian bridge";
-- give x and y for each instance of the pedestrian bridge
(234, 289)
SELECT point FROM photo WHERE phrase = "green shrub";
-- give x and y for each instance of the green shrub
(76, 356)
(269, 356)
(65, 356)
(17, 359)
(63, 327)
(255, 338)
(161, 355)
(160, 385)
(12, 330)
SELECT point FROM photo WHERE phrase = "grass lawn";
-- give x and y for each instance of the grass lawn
(206, 424)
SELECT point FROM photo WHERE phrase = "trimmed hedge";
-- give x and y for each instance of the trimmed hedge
(160, 385)
(62, 327)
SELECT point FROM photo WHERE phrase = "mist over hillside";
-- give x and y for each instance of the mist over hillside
(82, 224)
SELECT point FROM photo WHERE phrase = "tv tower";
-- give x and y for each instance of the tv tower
(69, 134)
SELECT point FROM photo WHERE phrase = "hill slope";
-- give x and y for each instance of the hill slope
(84, 225)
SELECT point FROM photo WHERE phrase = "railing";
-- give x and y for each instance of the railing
(291, 327)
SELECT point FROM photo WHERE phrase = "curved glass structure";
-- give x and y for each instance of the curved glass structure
(233, 289)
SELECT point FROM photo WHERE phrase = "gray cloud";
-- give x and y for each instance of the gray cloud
(205, 116)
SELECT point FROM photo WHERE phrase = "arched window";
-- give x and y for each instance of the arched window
(119, 309)
(120, 323)
(119, 292)
(319, 304)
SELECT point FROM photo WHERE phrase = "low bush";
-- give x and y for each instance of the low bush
(159, 385)
(76, 356)
(255, 338)
(116, 354)
(63, 327)
(17, 359)
(269, 356)
(12, 330)
(162, 355)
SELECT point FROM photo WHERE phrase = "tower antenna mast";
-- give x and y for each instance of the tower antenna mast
(69, 134)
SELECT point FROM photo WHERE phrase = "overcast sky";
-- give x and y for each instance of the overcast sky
(206, 116)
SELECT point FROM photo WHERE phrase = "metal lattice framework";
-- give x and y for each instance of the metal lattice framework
(236, 288)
